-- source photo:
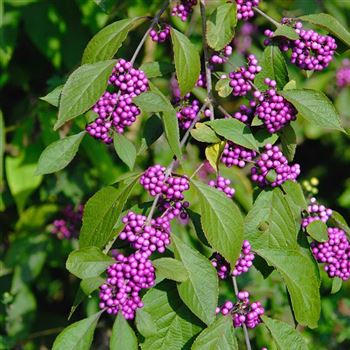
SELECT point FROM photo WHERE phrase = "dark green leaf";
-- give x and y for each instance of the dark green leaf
(201, 301)
(78, 335)
(285, 336)
(187, 61)
(274, 67)
(318, 231)
(153, 130)
(235, 131)
(59, 154)
(315, 107)
(289, 141)
(54, 96)
(171, 269)
(175, 323)
(88, 285)
(88, 262)
(331, 24)
(171, 128)
(82, 89)
(204, 133)
(221, 220)
(286, 31)
(156, 69)
(125, 150)
(105, 44)
(123, 337)
(221, 26)
(263, 137)
(218, 336)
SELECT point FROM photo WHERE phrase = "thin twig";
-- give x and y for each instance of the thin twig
(245, 330)
(270, 19)
(224, 112)
(206, 60)
(196, 171)
(153, 23)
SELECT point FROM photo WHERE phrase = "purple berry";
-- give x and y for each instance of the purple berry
(223, 185)
(236, 155)
(316, 212)
(161, 35)
(183, 9)
(245, 9)
(343, 74)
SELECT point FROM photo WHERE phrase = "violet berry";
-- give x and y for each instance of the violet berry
(245, 9)
(223, 185)
(343, 74)
(273, 159)
(161, 35)
(234, 154)
(316, 212)
(187, 114)
(183, 9)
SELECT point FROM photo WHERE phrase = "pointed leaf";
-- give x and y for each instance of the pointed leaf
(82, 89)
(218, 336)
(221, 26)
(187, 61)
(123, 337)
(125, 150)
(285, 336)
(204, 133)
(289, 141)
(315, 107)
(201, 301)
(88, 262)
(156, 69)
(286, 31)
(105, 44)
(59, 154)
(171, 269)
(54, 96)
(213, 154)
(318, 231)
(171, 128)
(221, 220)
(78, 335)
(144, 323)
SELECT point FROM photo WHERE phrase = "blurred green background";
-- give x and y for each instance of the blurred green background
(41, 43)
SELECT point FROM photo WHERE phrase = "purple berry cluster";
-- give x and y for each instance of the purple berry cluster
(274, 110)
(146, 238)
(223, 185)
(243, 263)
(125, 279)
(183, 9)
(245, 114)
(242, 78)
(222, 56)
(273, 160)
(69, 225)
(316, 212)
(234, 154)
(116, 110)
(335, 253)
(161, 35)
(242, 312)
(245, 9)
(343, 74)
(187, 113)
(312, 51)
(243, 40)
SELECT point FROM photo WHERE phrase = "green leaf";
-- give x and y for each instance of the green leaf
(171, 269)
(176, 325)
(187, 61)
(204, 133)
(318, 231)
(123, 337)
(270, 222)
(125, 150)
(171, 128)
(153, 130)
(59, 154)
(78, 335)
(291, 85)
(201, 301)
(285, 336)
(221, 221)
(288, 141)
(300, 273)
(235, 131)
(221, 26)
(102, 211)
(2, 150)
(213, 154)
(218, 336)
(53, 97)
(106, 43)
(274, 66)
(329, 23)
(82, 89)
(263, 137)
(151, 102)
(88, 285)
(338, 220)
(156, 69)
(286, 31)
(337, 283)
(88, 262)
(315, 107)
(294, 191)
(145, 324)
(223, 87)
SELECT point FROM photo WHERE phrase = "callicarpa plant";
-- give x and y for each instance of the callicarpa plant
(161, 286)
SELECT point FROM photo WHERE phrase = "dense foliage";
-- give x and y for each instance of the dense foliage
(173, 174)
